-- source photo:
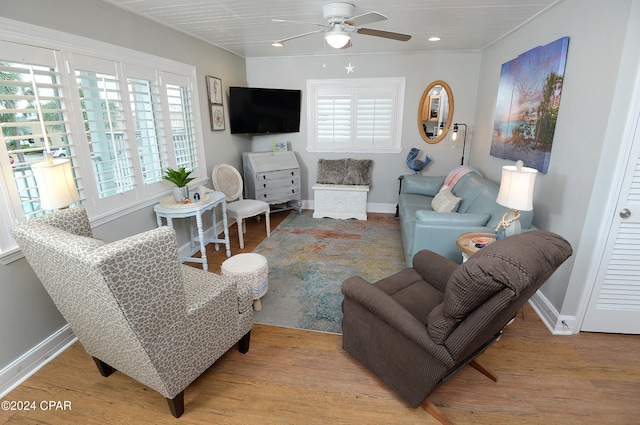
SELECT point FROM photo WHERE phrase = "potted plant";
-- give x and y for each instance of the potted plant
(180, 178)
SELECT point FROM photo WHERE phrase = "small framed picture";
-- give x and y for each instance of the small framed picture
(217, 117)
(278, 146)
(214, 89)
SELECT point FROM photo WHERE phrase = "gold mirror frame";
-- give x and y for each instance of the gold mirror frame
(425, 106)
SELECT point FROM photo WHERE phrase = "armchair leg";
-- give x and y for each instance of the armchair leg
(105, 369)
(486, 372)
(243, 344)
(434, 411)
(176, 405)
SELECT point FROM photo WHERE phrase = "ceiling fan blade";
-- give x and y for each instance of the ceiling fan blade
(366, 18)
(384, 34)
(286, 21)
(298, 36)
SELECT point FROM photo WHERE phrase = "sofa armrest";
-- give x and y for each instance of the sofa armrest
(421, 185)
(434, 268)
(451, 219)
(388, 310)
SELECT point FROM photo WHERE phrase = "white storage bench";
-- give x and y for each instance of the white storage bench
(342, 188)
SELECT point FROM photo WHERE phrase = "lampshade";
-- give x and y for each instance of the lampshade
(337, 38)
(55, 183)
(516, 187)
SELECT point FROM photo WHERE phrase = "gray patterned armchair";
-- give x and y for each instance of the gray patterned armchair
(131, 303)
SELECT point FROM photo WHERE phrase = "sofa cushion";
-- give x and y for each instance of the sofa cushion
(445, 201)
(433, 218)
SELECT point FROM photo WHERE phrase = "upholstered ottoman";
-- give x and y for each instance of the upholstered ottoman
(252, 269)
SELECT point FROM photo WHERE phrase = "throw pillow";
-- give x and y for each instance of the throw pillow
(358, 172)
(331, 171)
(445, 201)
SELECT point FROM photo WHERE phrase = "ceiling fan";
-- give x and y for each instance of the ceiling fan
(340, 24)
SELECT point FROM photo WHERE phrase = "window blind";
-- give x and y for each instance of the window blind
(33, 121)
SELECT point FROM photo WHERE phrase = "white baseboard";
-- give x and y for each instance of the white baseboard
(557, 324)
(30, 362)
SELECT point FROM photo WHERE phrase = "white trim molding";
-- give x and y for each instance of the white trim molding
(557, 324)
(33, 360)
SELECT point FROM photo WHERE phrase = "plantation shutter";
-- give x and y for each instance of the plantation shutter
(149, 131)
(374, 117)
(178, 91)
(363, 115)
(33, 120)
(102, 105)
(334, 119)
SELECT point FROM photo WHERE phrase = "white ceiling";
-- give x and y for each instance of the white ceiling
(245, 27)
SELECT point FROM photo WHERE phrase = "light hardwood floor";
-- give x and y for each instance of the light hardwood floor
(301, 377)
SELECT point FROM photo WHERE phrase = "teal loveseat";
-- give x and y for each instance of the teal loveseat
(424, 228)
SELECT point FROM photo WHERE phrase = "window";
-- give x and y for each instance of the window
(363, 115)
(121, 117)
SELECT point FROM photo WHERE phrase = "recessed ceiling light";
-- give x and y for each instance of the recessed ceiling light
(277, 44)
(435, 38)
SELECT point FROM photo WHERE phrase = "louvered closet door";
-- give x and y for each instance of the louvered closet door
(615, 302)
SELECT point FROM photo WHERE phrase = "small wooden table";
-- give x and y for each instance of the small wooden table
(170, 209)
(468, 242)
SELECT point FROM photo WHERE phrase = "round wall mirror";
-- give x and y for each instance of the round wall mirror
(435, 112)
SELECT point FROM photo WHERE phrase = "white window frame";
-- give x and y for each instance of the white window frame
(391, 89)
(68, 45)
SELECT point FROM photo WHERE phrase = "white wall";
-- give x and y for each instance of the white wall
(27, 314)
(562, 197)
(459, 69)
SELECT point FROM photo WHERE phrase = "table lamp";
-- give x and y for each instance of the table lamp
(56, 186)
(516, 193)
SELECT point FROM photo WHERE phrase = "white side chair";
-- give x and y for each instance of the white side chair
(227, 179)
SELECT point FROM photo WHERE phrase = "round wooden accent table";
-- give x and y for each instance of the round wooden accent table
(467, 242)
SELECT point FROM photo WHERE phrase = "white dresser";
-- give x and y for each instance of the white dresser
(273, 177)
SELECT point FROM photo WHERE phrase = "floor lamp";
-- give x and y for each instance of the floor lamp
(454, 139)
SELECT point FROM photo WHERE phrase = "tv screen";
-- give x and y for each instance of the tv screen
(264, 111)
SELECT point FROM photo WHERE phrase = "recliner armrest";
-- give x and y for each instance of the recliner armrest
(387, 309)
(434, 268)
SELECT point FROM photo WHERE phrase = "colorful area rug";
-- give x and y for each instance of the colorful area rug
(309, 258)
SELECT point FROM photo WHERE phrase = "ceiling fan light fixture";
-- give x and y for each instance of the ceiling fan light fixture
(337, 38)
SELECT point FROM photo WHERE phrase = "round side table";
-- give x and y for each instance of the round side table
(470, 243)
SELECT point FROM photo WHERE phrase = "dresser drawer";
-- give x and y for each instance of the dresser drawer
(280, 183)
(278, 195)
(277, 174)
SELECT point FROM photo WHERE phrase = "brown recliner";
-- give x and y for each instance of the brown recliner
(419, 326)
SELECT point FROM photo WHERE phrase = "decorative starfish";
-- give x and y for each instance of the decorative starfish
(350, 68)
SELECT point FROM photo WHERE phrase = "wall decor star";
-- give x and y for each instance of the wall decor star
(350, 68)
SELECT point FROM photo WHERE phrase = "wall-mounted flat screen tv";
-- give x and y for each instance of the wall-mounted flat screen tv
(263, 110)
